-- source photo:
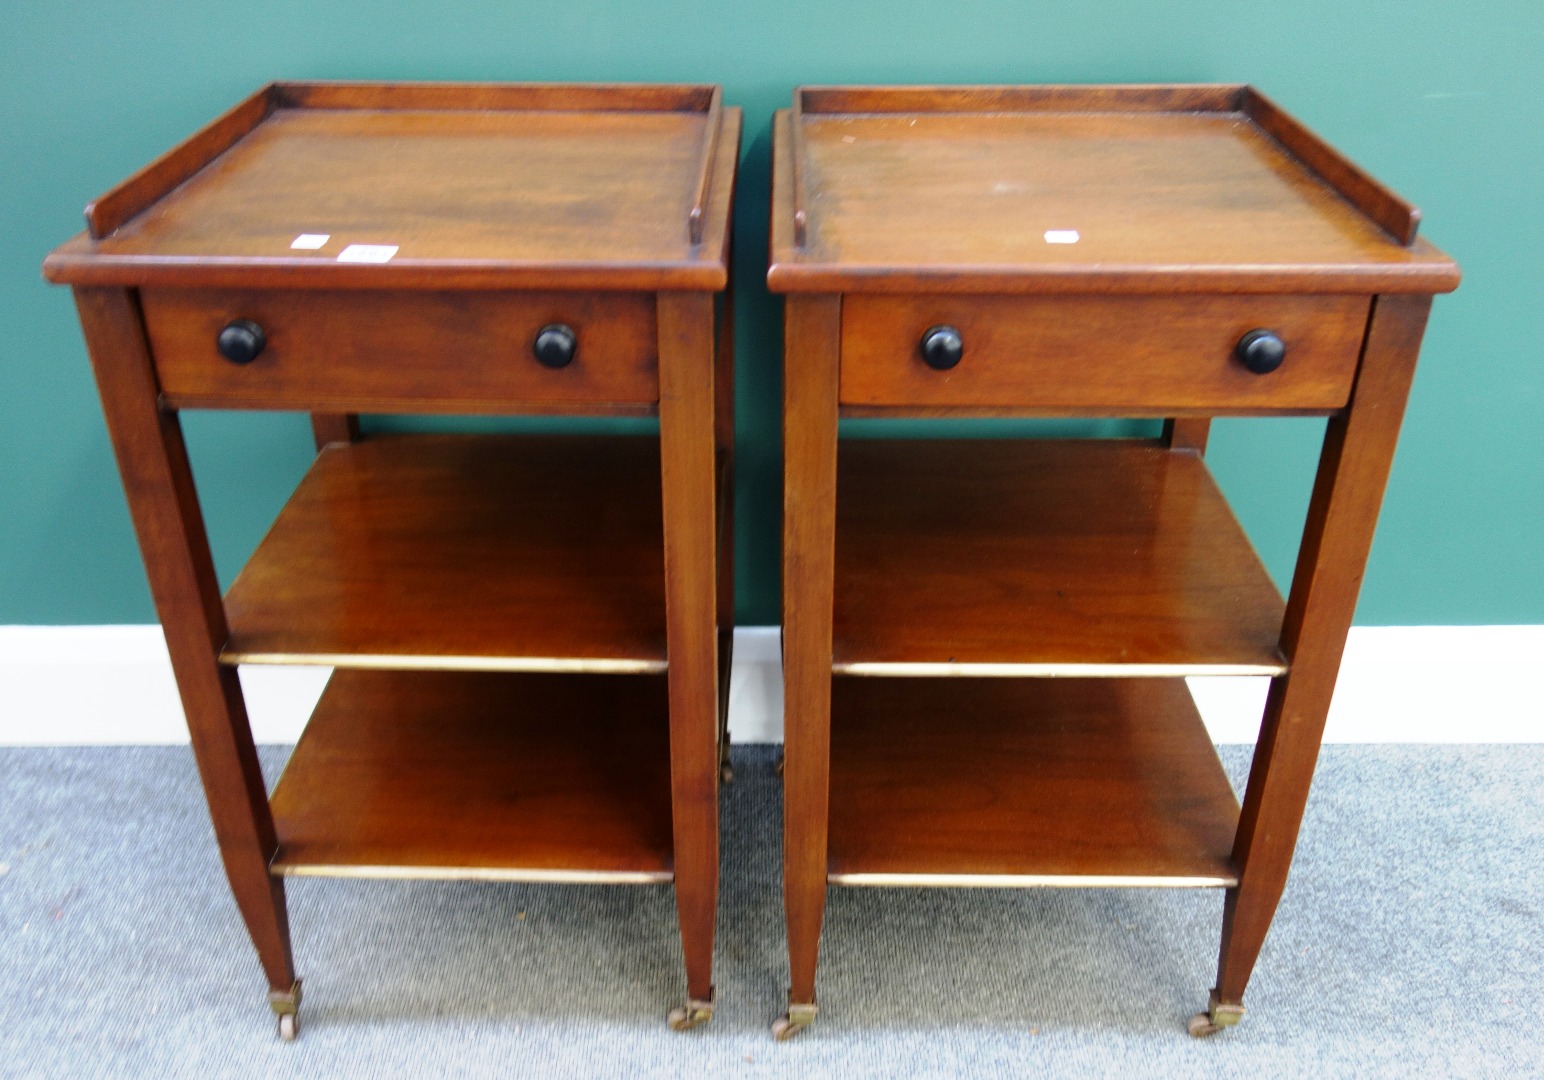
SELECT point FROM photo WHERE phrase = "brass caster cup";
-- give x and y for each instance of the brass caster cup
(286, 1006)
(1216, 1017)
(795, 1020)
(692, 1014)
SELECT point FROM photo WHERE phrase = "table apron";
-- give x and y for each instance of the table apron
(338, 349)
(1101, 353)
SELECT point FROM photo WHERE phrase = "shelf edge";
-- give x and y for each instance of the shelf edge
(1022, 881)
(568, 665)
(525, 875)
(929, 669)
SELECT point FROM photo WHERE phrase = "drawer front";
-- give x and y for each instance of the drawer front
(1141, 353)
(385, 350)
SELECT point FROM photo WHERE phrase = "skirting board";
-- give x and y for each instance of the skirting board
(75, 685)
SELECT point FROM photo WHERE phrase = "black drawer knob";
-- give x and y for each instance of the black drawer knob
(942, 347)
(241, 341)
(1261, 351)
(555, 345)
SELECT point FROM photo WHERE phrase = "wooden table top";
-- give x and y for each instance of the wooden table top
(482, 186)
(1079, 189)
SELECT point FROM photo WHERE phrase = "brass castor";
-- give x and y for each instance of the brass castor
(286, 1006)
(726, 773)
(1216, 1017)
(795, 1020)
(692, 1014)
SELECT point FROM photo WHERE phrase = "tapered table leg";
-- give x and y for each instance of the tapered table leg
(1187, 433)
(1353, 470)
(810, 364)
(163, 501)
(723, 432)
(687, 448)
(329, 428)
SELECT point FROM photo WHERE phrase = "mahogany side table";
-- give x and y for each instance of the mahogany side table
(530, 634)
(985, 641)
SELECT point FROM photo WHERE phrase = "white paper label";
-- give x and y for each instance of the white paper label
(309, 241)
(1061, 236)
(367, 253)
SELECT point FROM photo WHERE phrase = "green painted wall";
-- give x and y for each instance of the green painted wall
(1439, 99)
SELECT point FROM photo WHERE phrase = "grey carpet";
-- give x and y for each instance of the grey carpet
(1409, 944)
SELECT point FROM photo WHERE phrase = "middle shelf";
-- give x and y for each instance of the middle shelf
(1026, 557)
(470, 552)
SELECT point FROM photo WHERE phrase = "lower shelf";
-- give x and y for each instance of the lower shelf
(1006, 782)
(479, 775)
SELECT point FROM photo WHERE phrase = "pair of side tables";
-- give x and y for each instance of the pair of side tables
(985, 641)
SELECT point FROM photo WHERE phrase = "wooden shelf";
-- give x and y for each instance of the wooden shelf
(1002, 782)
(471, 552)
(1056, 557)
(480, 775)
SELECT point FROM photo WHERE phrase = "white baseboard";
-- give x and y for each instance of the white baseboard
(76, 685)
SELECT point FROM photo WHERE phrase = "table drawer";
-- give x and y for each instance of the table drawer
(387, 350)
(1145, 353)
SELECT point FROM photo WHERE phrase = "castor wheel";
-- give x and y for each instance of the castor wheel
(795, 1020)
(1218, 1015)
(726, 773)
(777, 766)
(692, 1014)
(286, 1006)
(1201, 1026)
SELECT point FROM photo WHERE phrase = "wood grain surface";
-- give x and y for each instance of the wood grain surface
(1049, 781)
(1007, 557)
(1141, 353)
(689, 485)
(1337, 537)
(479, 775)
(948, 201)
(470, 193)
(811, 347)
(466, 551)
(1075, 97)
(382, 350)
(163, 502)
